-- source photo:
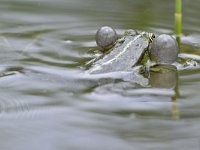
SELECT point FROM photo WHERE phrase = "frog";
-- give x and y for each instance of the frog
(126, 53)
(137, 51)
(137, 58)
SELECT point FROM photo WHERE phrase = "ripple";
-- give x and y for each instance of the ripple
(10, 105)
(29, 106)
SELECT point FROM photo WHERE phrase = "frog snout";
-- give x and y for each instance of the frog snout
(164, 49)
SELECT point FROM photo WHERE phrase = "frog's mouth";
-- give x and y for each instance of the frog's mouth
(143, 58)
(151, 37)
(146, 55)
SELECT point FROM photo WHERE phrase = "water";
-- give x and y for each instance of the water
(47, 102)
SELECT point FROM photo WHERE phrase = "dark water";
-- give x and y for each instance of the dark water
(48, 103)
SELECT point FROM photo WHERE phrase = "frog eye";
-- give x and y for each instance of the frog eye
(151, 37)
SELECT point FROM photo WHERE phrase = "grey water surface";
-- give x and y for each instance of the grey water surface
(48, 102)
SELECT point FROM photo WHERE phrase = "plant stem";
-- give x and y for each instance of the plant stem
(178, 20)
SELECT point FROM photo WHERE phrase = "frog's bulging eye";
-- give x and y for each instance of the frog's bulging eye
(151, 36)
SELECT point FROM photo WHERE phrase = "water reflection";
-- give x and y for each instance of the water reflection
(163, 76)
(166, 76)
(160, 89)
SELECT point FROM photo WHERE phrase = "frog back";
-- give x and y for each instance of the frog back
(122, 57)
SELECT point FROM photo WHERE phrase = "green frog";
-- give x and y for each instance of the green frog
(138, 57)
(125, 53)
(135, 49)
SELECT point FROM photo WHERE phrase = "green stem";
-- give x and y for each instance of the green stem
(178, 20)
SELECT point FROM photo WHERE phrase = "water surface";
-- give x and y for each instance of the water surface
(47, 102)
